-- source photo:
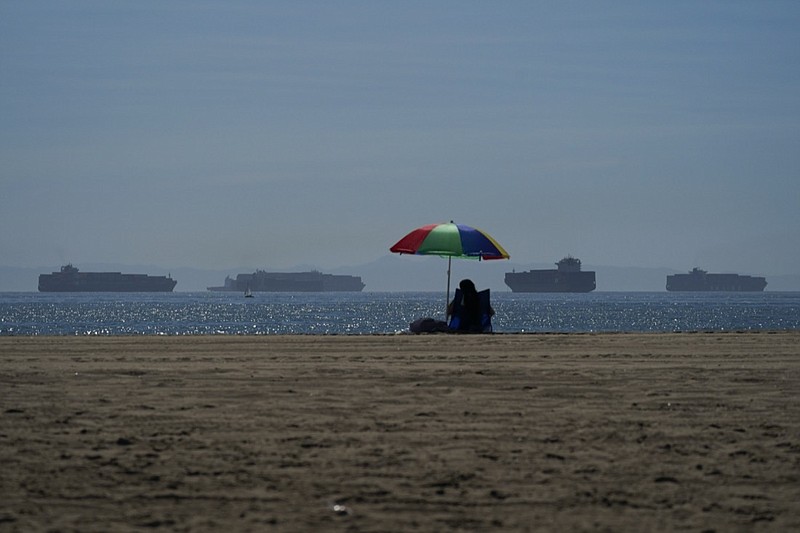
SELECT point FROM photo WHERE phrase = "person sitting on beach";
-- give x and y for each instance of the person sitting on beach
(470, 310)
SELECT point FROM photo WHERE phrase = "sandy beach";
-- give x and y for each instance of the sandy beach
(578, 432)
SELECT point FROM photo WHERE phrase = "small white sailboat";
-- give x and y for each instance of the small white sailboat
(248, 293)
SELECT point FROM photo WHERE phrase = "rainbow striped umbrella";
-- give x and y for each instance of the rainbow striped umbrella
(450, 240)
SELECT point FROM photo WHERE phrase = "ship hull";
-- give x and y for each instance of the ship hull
(291, 282)
(715, 283)
(104, 282)
(550, 281)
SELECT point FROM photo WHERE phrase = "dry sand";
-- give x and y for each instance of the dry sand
(609, 432)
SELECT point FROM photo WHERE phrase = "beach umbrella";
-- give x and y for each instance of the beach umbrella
(450, 240)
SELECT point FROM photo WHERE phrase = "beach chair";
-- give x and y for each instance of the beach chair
(459, 321)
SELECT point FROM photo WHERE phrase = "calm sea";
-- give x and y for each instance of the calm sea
(369, 312)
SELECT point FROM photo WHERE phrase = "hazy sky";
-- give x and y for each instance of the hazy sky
(223, 133)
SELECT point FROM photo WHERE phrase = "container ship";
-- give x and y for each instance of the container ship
(313, 281)
(70, 279)
(568, 277)
(699, 280)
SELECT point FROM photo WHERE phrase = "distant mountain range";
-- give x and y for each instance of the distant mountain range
(393, 273)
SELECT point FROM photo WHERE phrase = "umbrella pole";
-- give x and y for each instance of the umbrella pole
(447, 296)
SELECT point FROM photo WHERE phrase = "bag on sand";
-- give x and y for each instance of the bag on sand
(428, 325)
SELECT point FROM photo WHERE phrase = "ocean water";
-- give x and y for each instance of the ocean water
(386, 313)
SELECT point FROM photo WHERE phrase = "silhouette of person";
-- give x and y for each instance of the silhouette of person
(468, 310)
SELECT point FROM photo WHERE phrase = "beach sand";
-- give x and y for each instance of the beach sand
(547, 432)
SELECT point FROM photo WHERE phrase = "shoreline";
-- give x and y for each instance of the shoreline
(511, 431)
(407, 333)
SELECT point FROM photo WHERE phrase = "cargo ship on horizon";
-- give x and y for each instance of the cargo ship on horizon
(312, 281)
(70, 279)
(568, 277)
(698, 280)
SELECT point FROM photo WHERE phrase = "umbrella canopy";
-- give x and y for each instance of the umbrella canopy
(450, 240)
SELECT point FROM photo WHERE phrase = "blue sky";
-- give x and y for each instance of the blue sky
(217, 134)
